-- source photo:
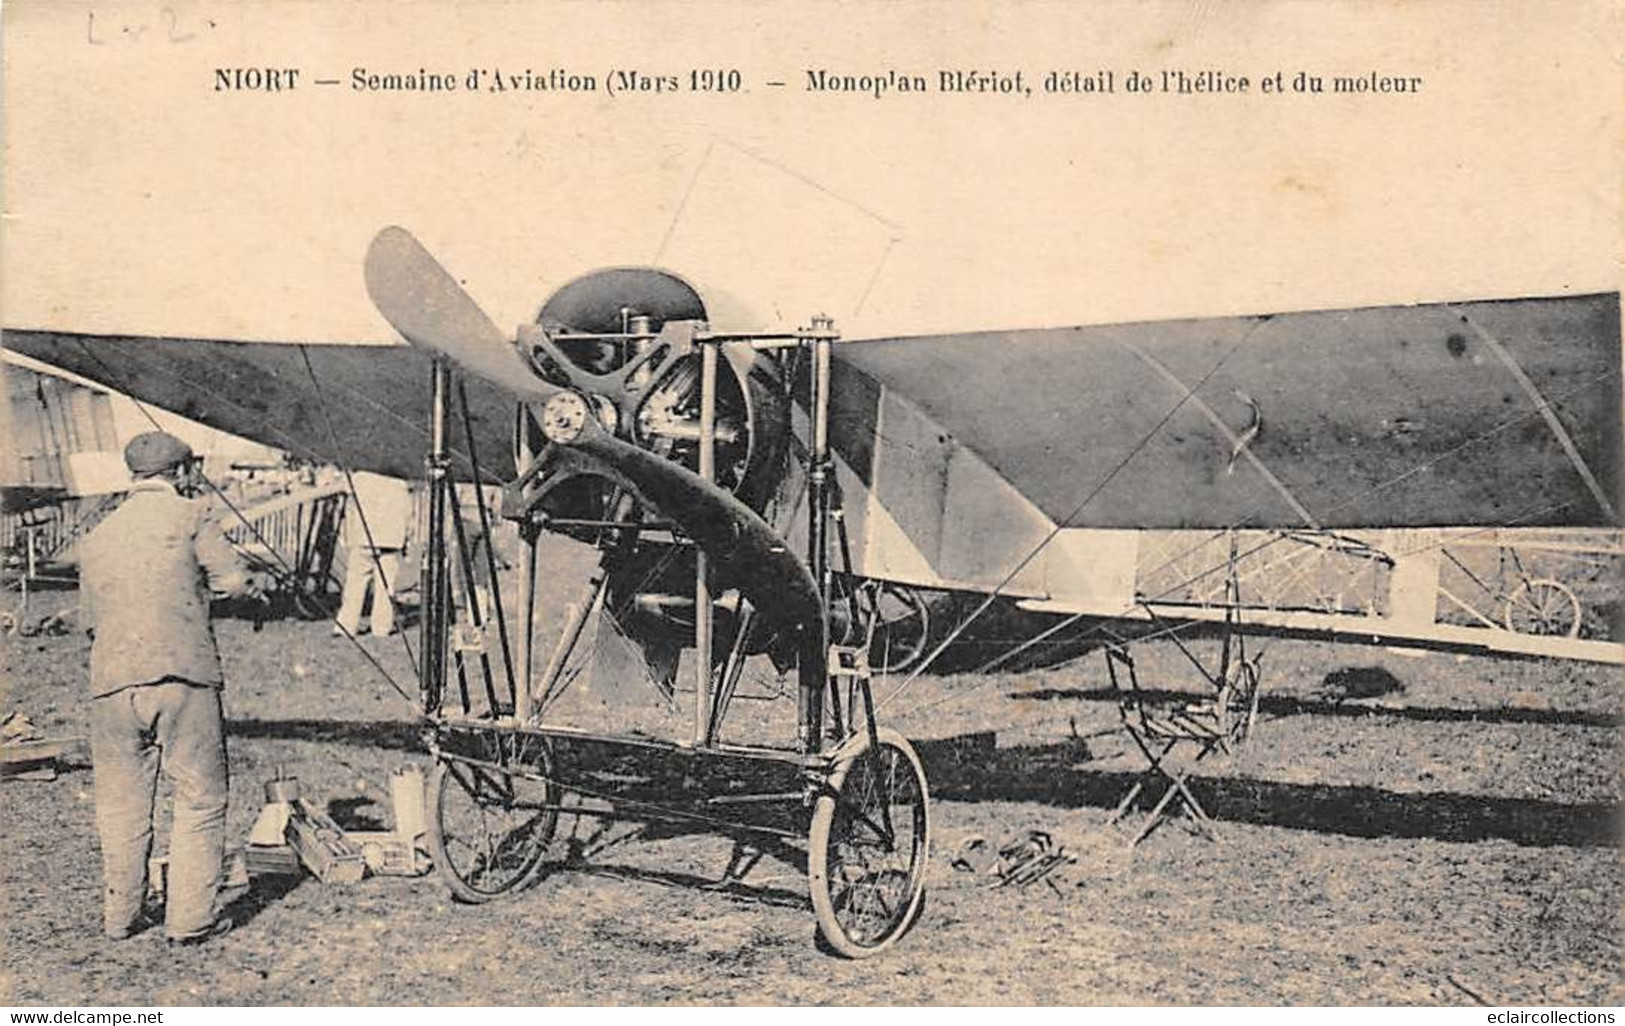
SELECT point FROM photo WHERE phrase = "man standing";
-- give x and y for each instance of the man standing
(374, 535)
(146, 575)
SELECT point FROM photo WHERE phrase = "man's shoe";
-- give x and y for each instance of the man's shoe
(145, 920)
(218, 928)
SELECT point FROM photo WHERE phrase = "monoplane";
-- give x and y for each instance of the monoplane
(788, 498)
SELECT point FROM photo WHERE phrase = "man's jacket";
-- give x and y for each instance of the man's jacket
(145, 579)
(379, 513)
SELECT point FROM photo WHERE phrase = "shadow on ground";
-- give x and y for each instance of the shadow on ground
(389, 735)
(1286, 705)
(266, 890)
(970, 768)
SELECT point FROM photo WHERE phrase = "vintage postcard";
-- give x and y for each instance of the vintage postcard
(868, 504)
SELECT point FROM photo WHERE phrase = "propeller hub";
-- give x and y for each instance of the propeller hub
(564, 417)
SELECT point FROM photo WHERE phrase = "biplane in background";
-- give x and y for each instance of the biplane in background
(62, 469)
(58, 468)
(750, 495)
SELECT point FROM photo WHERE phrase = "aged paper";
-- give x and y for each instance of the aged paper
(218, 170)
(158, 181)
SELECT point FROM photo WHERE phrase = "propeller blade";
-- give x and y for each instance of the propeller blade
(421, 300)
(745, 552)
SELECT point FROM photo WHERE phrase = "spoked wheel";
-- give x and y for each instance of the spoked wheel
(869, 846)
(489, 830)
(1236, 703)
(1543, 607)
(1237, 707)
(903, 631)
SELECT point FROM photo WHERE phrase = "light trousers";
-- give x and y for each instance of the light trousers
(172, 727)
(361, 576)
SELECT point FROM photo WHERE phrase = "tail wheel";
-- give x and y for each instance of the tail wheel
(489, 830)
(869, 847)
(1543, 607)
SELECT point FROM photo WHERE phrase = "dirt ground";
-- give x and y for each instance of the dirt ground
(1453, 840)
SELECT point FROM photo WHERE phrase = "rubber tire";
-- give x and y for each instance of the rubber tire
(830, 931)
(443, 863)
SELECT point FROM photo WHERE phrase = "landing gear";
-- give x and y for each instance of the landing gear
(664, 447)
(491, 822)
(869, 846)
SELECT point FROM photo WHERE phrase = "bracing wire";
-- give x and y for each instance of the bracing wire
(991, 597)
(1375, 489)
(349, 482)
(1102, 628)
(1174, 629)
(1055, 532)
(490, 542)
(258, 537)
(1476, 439)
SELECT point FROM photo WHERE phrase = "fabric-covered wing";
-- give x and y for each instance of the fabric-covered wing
(1503, 412)
(363, 407)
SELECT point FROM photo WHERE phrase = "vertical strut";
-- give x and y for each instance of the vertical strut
(813, 678)
(465, 565)
(527, 623)
(433, 681)
(498, 612)
(526, 597)
(703, 624)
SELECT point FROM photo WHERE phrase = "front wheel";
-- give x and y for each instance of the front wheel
(869, 847)
(489, 830)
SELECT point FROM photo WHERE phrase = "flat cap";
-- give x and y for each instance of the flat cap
(155, 452)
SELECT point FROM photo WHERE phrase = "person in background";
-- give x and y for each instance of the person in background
(146, 577)
(480, 553)
(375, 525)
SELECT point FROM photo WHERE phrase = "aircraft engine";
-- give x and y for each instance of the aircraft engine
(602, 336)
(606, 372)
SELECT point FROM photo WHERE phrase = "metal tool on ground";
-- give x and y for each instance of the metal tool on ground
(975, 855)
(1021, 859)
(1029, 857)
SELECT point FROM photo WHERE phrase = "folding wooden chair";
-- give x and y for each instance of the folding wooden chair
(1217, 723)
